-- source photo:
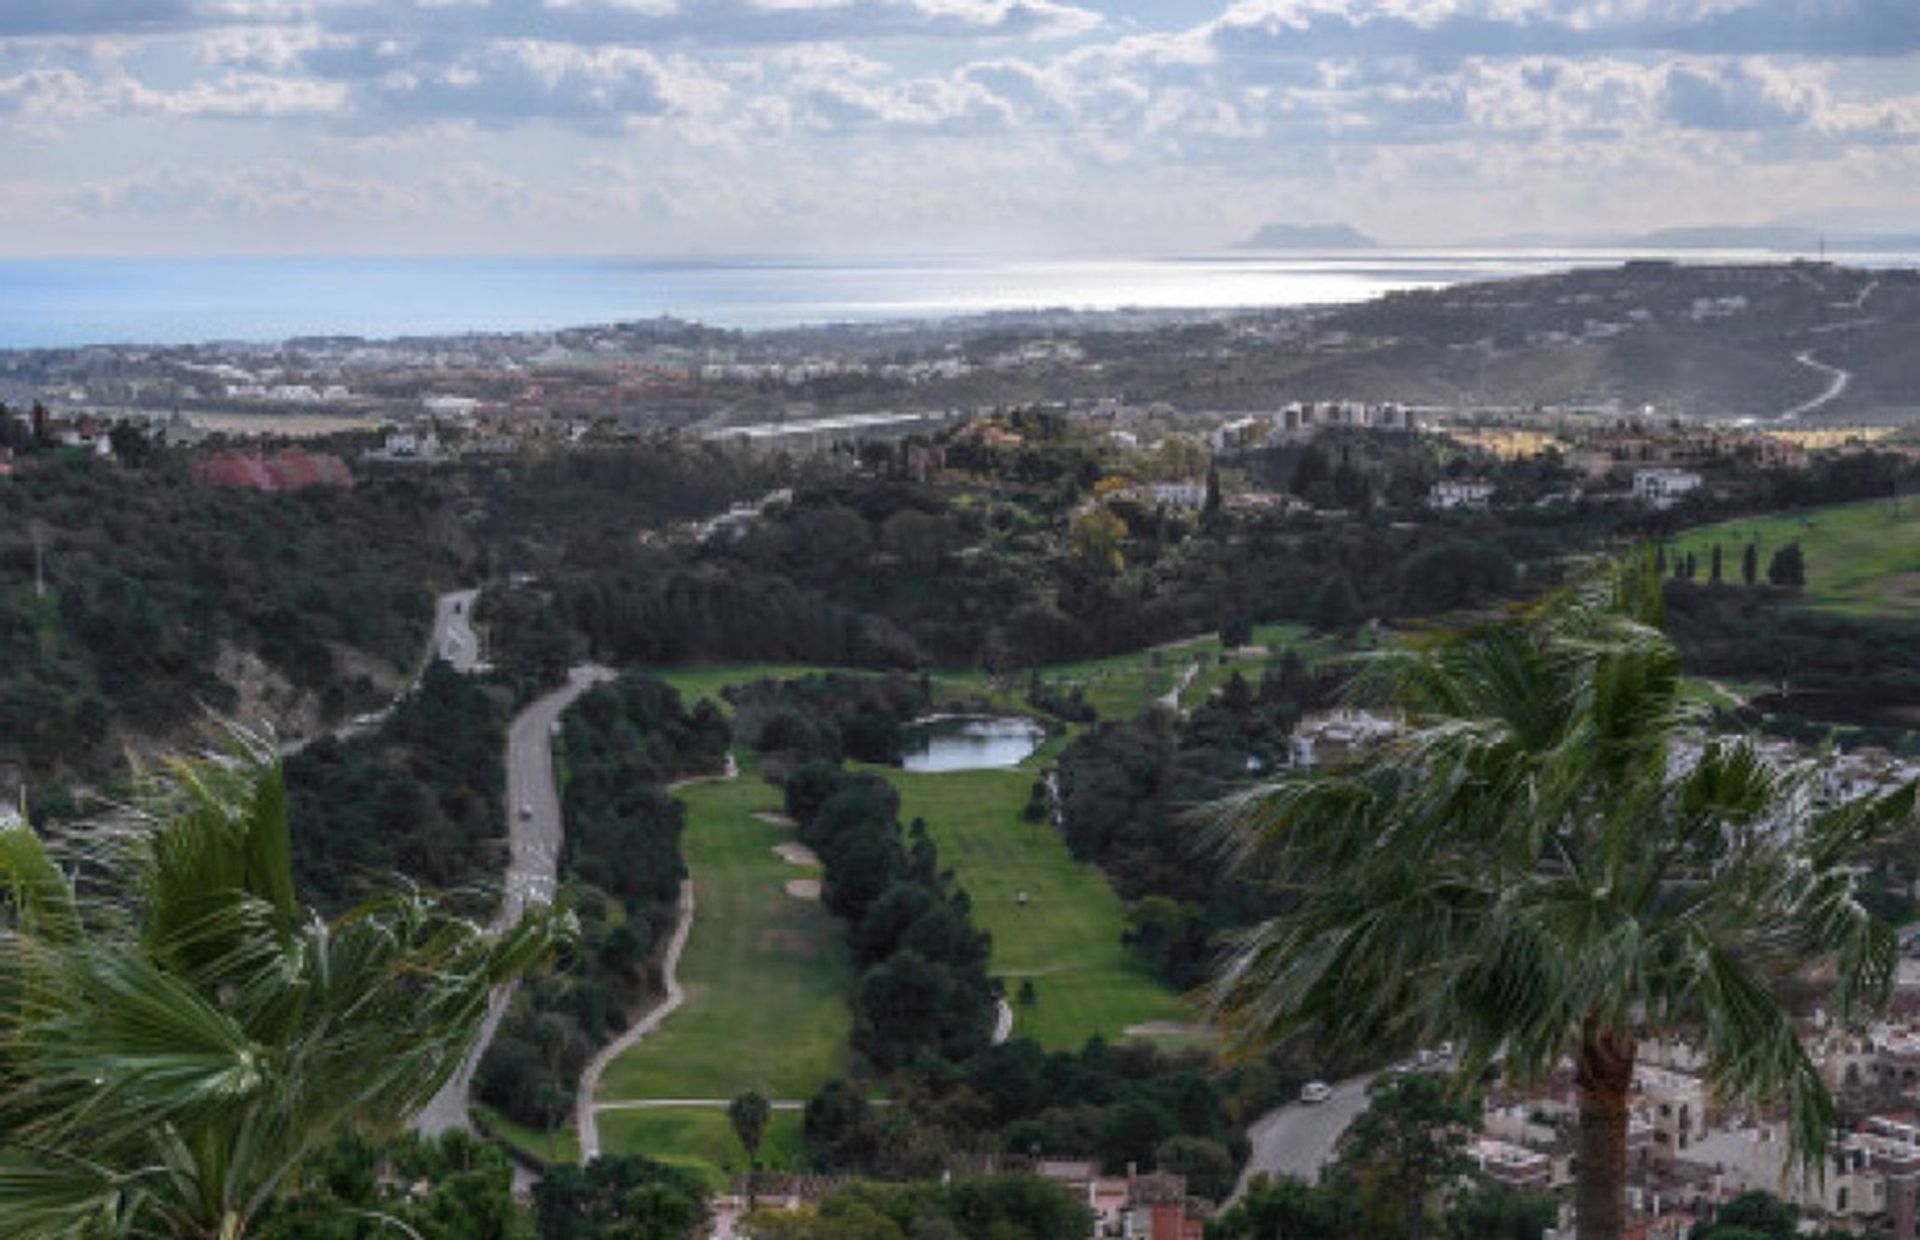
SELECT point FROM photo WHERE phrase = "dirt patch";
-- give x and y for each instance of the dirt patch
(797, 854)
(775, 819)
(804, 888)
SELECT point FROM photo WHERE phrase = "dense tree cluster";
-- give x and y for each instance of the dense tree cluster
(419, 796)
(1125, 792)
(829, 716)
(620, 872)
(1006, 1207)
(149, 577)
(923, 988)
(451, 1188)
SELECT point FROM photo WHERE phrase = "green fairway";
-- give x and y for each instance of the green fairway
(1067, 937)
(1121, 686)
(700, 1139)
(1861, 559)
(766, 974)
(706, 680)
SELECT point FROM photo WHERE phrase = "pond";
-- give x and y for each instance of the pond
(968, 743)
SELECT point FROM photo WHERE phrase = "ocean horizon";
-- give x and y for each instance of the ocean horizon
(57, 303)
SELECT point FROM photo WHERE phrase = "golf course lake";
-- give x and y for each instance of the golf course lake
(969, 743)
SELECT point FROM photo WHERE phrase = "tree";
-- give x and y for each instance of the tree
(1753, 1213)
(1491, 1211)
(1335, 608)
(1713, 571)
(1750, 563)
(1529, 874)
(1413, 1137)
(182, 1034)
(1095, 537)
(1787, 567)
(1210, 508)
(748, 1114)
(619, 1198)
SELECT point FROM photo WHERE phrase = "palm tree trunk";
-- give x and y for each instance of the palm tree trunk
(1604, 1076)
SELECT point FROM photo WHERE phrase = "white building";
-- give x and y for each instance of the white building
(1663, 488)
(1188, 494)
(1459, 493)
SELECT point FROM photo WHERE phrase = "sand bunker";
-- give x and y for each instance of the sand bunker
(775, 819)
(796, 854)
(804, 888)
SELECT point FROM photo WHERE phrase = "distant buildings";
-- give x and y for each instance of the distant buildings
(1663, 488)
(1451, 493)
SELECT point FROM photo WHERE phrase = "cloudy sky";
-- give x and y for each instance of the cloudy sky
(1031, 126)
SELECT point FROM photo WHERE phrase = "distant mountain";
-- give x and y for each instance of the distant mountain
(1727, 237)
(1308, 237)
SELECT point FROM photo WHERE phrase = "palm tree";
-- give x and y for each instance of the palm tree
(1546, 868)
(177, 1033)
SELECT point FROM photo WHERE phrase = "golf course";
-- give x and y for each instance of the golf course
(1861, 559)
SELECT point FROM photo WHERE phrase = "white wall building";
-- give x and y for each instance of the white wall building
(1663, 488)
(1459, 493)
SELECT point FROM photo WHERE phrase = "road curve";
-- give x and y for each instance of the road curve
(1298, 1139)
(533, 846)
(452, 639)
(1837, 380)
(586, 1108)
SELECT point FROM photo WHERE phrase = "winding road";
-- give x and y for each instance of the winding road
(533, 846)
(1837, 380)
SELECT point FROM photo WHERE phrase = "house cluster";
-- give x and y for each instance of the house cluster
(1606, 453)
(1689, 1153)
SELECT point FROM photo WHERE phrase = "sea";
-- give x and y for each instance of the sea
(59, 303)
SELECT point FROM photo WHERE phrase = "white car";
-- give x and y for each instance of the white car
(526, 810)
(1315, 1092)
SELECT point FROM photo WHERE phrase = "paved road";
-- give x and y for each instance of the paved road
(453, 637)
(1837, 380)
(585, 1108)
(533, 846)
(1299, 1139)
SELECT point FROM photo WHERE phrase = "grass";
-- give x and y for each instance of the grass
(562, 1146)
(701, 1140)
(1067, 937)
(766, 974)
(706, 680)
(1861, 559)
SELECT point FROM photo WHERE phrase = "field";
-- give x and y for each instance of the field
(1067, 937)
(1861, 559)
(700, 1139)
(766, 974)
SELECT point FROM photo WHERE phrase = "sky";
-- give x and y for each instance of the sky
(1028, 127)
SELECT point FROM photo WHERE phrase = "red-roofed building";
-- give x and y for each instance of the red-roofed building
(288, 470)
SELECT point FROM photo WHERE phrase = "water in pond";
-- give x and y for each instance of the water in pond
(969, 743)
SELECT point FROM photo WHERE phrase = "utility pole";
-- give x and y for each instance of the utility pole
(39, 532)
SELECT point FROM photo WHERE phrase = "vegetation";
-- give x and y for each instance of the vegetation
(152, 580)
(451, 1188)
(766, 974)
(620, 870)
(618, 1198)
(1860, 559)
(1055, 923)
(419, 796)
(923, 987)
(1532, 876)
(985, 1208)
(174, 1012)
